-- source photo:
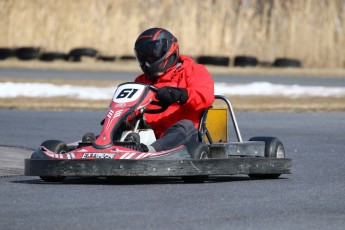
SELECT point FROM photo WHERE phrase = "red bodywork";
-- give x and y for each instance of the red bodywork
(129, 98)
(113, 153)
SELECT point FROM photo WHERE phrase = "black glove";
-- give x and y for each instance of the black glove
(168, 95)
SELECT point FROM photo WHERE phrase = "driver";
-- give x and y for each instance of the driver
(186, 87)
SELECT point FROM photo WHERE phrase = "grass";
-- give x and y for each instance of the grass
(239, 104)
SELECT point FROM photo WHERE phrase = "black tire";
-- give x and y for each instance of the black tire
(128, 58)
(286, 62)
(243, 61)
(28, 53)
(106, 58)
(56, 147)
(76, 54)
(52, 56)
(197, 150)
(6, 53)
(88, 138)
(273, 148)
(265, 63)
(213, 60)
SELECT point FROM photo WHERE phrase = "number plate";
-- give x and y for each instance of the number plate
(128, 93)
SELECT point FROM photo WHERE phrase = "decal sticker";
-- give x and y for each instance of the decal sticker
(128, 155)
(128, 93)
(118, 113)
(110, 114)
(99, 155)
(120, 106)
(140, 156)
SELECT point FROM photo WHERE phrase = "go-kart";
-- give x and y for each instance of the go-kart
(110, 154)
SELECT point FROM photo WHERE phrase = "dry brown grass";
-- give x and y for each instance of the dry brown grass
(313, 31)
(239, 104)
(288, 104)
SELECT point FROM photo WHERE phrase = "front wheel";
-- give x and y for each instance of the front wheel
(273, 148)
(57, 147)
(197, 150)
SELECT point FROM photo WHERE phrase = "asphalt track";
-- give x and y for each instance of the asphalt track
(330, 81)
(311, 198)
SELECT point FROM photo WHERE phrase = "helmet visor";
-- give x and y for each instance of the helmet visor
(151, 51)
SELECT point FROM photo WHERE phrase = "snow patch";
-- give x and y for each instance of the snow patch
(11, 90)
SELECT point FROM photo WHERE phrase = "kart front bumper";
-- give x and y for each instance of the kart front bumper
(166, 168)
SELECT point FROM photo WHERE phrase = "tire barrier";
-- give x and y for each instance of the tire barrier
(243, 61)
(286, 62)
(128, 58)
(265, 64)
(76, 54)
(28, 53)
(7, 53)
(213, 60)
(106, 58)
(52, 56)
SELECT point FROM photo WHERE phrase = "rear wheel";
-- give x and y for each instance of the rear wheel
(273, 148)
(57, 147)
(197, 150)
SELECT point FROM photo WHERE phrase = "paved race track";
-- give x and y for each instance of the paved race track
(312, 197)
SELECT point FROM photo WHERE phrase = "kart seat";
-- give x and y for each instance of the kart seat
(213, 125)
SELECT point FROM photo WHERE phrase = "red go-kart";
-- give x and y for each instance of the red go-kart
(104, 155)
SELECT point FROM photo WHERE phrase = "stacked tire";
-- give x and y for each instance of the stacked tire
(7, 53)
(213, 60)
(76, 54)
(28, 53)
(52, 56)
(245, 61)
(286, 62)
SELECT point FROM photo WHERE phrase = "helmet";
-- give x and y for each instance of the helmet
(156, 50)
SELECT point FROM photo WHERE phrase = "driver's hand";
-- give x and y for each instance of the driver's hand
(168, 95)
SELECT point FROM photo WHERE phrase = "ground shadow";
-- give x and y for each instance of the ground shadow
(135, 180)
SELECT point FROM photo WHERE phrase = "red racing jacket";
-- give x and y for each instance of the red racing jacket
(200, 87)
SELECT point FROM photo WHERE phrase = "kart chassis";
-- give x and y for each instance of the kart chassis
(225, 158)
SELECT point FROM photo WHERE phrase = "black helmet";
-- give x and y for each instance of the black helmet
(156, 50)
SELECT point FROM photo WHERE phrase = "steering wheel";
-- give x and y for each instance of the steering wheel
(159, 110)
